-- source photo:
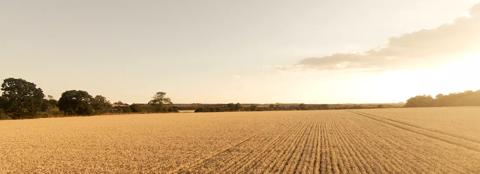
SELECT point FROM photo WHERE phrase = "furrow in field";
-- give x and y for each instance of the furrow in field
(374, 148)
(297, 157)
(233, 155)
(423, 128)
(315, 162)
(424, 160)
(263, 161)
(441, 155)
(205, 160)
(339, 156)
(266, 142)
(359, 159)
(358, 150)
(454, 140)
(421, 155)
(369, 151)
(393, 146)
(215, 160)
(324, 160)
(237, 158)
(311, 155)
(332, 151)
(346, 142)
(281, 160)
(248, 161)
(253, 148)
(351, 159)
(348, 159)
(303, 157)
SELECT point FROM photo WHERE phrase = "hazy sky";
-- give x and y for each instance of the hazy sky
(211, 51)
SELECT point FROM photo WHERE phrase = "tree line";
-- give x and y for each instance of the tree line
(231, 107)
(467, 98)
(22, 99)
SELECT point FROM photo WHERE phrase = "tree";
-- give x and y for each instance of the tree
(2, 102)
(302, 106)
(253, 107)
(101, 105)
(75, 102)
(120, 107)
(120, 103)
(21, 98)
(233, 107)
(467, 98)
(160, 99)
(50, 104)
(421, 101)
(3, 115)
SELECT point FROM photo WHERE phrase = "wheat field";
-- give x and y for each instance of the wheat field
(428, 140)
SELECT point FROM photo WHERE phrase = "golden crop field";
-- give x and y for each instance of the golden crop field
(428, 140)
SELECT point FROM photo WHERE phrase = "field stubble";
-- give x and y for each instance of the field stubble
(350, 141)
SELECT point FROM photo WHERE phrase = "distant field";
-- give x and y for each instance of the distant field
(428, 140)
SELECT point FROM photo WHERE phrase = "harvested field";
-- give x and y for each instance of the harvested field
(431, 140)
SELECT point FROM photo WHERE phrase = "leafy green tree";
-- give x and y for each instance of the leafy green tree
(75, 102)
(21, 98)
(160, 99)
(101, 105)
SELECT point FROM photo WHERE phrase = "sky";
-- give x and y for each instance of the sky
(249, 51)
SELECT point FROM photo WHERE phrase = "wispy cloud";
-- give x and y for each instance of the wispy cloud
(425, 47)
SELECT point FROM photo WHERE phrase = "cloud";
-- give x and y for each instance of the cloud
(425, 47)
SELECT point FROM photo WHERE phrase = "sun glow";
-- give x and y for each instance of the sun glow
(462, 69)
(457, 75)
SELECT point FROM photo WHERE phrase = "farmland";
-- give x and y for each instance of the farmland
(427, 140)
